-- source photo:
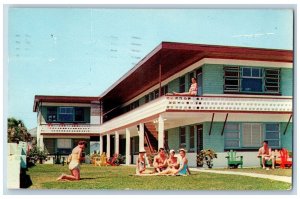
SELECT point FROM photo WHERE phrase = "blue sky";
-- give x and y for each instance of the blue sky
(82, 51)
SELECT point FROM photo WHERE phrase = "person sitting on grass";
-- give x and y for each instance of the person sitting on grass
(160, 161)
(74, 167)
(193, 88)
(183, 167)
(265, 152)
(141, 164)
(173, 162)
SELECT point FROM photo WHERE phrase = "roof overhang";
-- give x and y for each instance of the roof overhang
(62, 99)
(169, 58)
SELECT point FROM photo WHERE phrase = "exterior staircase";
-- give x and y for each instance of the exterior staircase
(151, 138)
(151, 141)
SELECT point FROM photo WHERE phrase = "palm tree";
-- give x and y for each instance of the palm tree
(16, 131)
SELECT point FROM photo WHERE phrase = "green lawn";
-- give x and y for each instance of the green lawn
(121, 178)
(277, 171)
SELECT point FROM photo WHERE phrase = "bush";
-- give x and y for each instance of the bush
(36, 154)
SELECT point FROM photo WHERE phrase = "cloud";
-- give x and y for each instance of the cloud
(255, 35)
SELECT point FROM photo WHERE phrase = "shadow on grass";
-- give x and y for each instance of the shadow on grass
(91, 178)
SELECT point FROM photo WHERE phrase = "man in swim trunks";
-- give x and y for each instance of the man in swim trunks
(74, 165)
(160, 161)
(266, 154)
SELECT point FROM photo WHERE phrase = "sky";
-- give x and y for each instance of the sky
(83, 51)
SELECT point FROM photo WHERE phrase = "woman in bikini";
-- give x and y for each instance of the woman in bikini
(74, 163)
(193, 88)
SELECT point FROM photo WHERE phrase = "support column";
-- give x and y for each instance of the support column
(141, 137)
(128, 158)
(108, 146)
(117, 142)
(101, 144)
(161, 129)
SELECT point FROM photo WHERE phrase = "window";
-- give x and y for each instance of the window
(156, 93)
(151, 96)
(64, 143)
(231, 78)
(252, 135)
(272, 79)
(49, 144)
(273, 135)
(232, 135)
(65, 114)
(192, 137)
(182, 84)
(51, 114)
(79, 114)
(182, 140)
(251, 80)
(146, 98)
(164, 90)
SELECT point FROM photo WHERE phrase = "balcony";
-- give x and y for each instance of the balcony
(61, 128)
(238, 104)
(175, 108)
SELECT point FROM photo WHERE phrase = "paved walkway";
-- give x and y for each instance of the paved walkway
(255, 175)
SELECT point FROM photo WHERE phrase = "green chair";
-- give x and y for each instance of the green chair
(268, 163)
(233, 160)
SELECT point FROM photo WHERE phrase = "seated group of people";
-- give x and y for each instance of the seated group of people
(164, 165)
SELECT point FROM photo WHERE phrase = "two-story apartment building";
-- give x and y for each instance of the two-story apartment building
(62, 121)
(244, 97)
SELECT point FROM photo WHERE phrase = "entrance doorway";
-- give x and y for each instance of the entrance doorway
(199, 137)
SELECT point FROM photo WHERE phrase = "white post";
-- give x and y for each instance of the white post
(107, 145)
(127, 146)
(117, 142)
(101, 144)
(141, 137)
(161, 130)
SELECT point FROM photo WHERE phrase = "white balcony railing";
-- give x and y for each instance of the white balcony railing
(202, 104)
(229, 104)
(69, 128)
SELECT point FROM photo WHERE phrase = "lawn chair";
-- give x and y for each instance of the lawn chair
(101, 161)
(286, 161)
(112, 161)
(268, 163)
(233, 160)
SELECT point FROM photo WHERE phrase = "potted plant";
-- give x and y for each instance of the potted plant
(206, 157)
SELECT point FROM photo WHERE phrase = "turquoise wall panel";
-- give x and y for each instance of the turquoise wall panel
(287, 138)
(173, 138)
(213, 79)
(213, 141)
(173, 85)
(286, 82)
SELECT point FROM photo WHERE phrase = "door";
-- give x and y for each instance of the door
(199, 137)
(199, 81)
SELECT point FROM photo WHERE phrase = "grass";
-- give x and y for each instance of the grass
(121, 178)
(277, 171)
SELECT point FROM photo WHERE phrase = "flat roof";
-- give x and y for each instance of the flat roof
(62, 99)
